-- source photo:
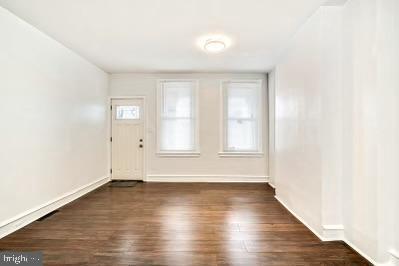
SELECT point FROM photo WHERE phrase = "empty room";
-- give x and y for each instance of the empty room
(199, 132)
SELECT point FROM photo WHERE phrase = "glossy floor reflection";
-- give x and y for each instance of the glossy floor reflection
(178, 224)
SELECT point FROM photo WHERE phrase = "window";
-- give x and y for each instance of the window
(242, 128)
(124, 112)
(177, 117)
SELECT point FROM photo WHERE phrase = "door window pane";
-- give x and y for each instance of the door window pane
(126, 112)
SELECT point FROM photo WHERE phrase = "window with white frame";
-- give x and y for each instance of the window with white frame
(177, 117)
(242, 127)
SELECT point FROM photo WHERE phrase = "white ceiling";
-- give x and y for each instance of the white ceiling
(161, 35)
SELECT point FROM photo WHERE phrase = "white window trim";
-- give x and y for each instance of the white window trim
(196, 151)
(240, 154)
(223, 128)
(178, 154)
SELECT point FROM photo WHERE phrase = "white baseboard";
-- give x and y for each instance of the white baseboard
(334, 233)
(394, 258)
(32, 215)
(208, 178)
(300, 219)
(364, 255)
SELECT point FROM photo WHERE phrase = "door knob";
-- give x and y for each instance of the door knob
(141, 146)
(141, 140)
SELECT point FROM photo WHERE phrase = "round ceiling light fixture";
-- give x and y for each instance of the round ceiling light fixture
(214, 46)
(214, 43)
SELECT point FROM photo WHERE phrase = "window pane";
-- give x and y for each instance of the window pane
(241, 114)
(241, 101)
(178, 134)
(242, 135)
(177, 123)
(177, 97)
(127, 112)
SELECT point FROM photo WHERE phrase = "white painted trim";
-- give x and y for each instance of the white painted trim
(146, 138)
(126, 97)
(196, 116)
(241, 154)
(271, 109)
(333, 232)
(322, 238)
(394, 257)
(300, 219)
(271, 184)
(222, 127)
(179, 154)
(9, 226)
(333, 227)
(394, 253)
(208, 178)
(364, 255)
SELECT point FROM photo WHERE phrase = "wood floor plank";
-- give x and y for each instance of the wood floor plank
(178, 224)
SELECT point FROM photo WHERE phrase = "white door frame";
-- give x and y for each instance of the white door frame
(144, 133)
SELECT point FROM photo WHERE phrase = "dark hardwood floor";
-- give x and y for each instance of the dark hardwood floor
(178, 224)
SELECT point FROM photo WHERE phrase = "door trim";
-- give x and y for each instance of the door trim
(139, 97)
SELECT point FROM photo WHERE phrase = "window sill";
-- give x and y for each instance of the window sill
(178, 154)
(241, 154)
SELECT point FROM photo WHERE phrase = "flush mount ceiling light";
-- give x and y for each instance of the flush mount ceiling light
(214, 43)
(214, 46)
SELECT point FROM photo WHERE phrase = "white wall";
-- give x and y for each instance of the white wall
(308, 130)
(370, 72)
(54, 119)
(388, 105)
(362, 140)
(298, 116)
(337, 125)
(271, 93)
(209, 163)
(332, 130)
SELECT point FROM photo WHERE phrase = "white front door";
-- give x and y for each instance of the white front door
(127, 139)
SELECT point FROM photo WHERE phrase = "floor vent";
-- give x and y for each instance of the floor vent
(47, 215)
